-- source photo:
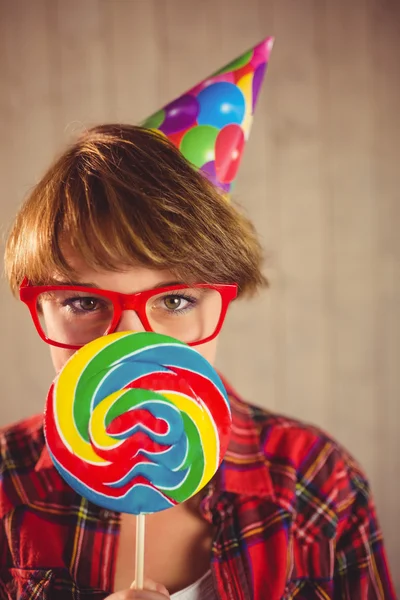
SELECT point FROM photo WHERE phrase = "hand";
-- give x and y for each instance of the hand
(151, 591)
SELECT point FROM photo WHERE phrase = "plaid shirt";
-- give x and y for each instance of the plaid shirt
(293, 513)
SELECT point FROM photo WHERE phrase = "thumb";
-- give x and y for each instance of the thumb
(152, 586)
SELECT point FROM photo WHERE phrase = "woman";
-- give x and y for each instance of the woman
(289, 513)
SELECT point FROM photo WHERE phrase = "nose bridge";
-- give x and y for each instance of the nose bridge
(129, 321)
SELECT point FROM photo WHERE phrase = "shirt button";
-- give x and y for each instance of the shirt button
(105, 515)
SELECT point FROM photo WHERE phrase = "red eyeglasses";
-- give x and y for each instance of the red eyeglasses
(72, 316)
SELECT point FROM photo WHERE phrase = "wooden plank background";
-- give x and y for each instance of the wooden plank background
(320, 179)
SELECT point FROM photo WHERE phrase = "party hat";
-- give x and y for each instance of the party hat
(210, 123)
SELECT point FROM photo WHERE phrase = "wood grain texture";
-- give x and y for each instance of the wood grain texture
(27, 146)
(385, 159)
(78, 66)
(319, 178)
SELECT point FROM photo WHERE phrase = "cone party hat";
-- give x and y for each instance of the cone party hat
(211, 122)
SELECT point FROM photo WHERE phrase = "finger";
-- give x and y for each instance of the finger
(152, 586)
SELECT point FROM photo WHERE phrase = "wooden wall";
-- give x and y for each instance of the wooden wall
(320, 178)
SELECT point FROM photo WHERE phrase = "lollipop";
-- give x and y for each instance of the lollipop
(211, 122)
(137, 422)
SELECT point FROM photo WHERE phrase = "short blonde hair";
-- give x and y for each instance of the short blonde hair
(124, 195)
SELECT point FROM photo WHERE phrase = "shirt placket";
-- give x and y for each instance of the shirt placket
(227, 566)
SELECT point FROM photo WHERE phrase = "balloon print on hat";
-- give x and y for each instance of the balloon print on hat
(211, 122)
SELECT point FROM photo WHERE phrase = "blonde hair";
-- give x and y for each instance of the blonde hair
(124, 195)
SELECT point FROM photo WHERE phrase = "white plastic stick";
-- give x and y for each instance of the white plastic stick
(139, 567)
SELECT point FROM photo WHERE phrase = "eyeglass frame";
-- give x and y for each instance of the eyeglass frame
(29, 293)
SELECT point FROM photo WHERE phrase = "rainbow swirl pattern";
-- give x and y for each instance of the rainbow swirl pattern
(137, 422)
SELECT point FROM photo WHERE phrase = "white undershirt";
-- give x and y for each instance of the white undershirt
(202, 589)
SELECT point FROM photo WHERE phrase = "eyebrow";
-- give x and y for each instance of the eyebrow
(93, 285)
(76, 283)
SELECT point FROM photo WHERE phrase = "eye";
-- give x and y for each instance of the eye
(87, 304)
(175, 302)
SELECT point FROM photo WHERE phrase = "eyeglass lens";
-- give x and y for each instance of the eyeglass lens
(75, 318)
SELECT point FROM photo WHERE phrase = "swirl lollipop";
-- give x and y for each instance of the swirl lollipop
(137, 422)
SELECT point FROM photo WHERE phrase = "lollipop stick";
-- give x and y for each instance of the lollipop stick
(139, 567)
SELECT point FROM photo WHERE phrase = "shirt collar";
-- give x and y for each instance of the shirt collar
(44, 461)
(244, 470)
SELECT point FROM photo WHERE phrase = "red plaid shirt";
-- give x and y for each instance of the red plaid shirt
(293, 511)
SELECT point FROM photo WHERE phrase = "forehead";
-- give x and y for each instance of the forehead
(125, 279)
